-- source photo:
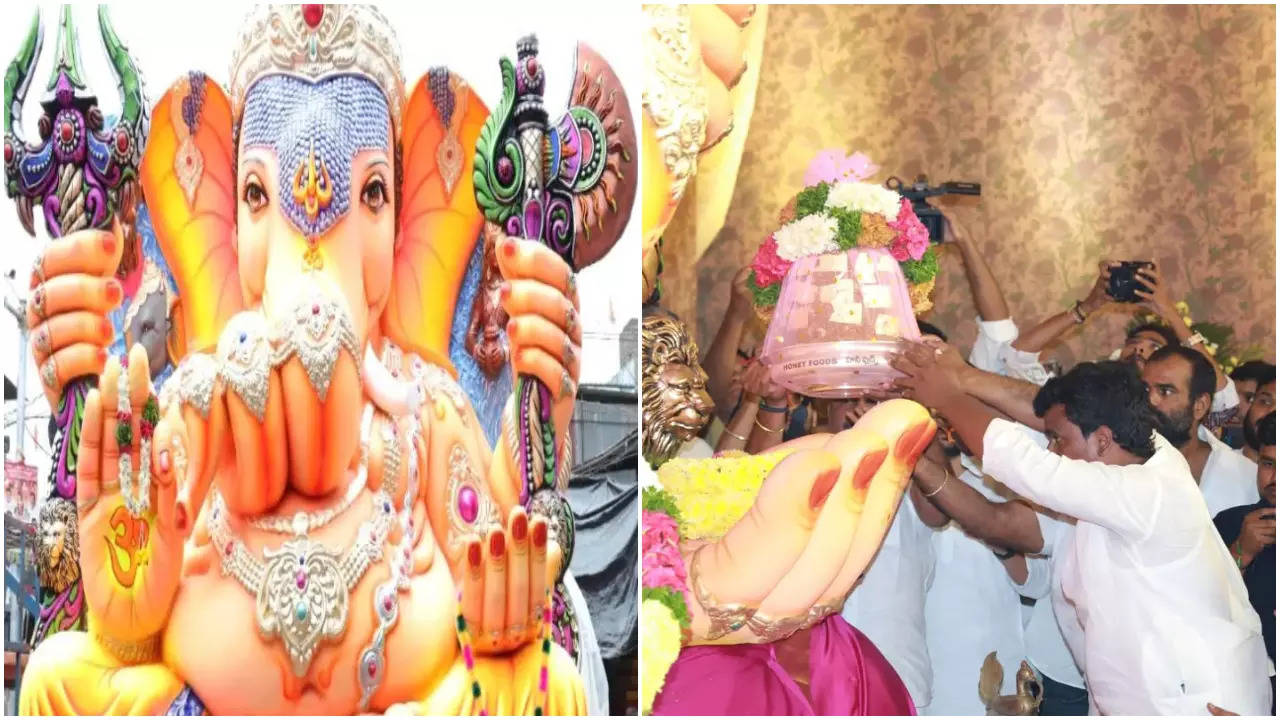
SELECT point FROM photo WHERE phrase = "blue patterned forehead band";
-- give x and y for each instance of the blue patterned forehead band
(315, 130)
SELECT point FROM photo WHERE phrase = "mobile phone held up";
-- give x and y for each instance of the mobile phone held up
(1124, 283)
(930, 216)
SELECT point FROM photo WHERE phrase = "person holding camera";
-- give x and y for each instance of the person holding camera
(1249, 532)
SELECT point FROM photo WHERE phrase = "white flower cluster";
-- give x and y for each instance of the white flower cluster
(864, 197)
(807, 236)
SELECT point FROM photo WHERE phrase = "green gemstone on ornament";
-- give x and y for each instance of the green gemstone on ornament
(462, 624)
(546, 645)
(475, 689)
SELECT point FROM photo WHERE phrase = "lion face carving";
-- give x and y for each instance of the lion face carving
(674, 396)
(57, 544)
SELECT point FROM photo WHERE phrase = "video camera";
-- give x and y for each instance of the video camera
(930, 216)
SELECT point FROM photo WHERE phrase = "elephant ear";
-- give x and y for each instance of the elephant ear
(189, 182)
(439, 219)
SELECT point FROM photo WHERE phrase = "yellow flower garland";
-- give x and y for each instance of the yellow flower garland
(713, 494)
(661, 633)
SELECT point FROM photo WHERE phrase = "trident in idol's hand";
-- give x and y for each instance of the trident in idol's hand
(78, 175)
(570, 184)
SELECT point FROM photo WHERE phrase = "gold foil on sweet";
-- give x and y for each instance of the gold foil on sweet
(845, 309)
(865, 269)
(876, 296)
(723, 619)
(673, 94)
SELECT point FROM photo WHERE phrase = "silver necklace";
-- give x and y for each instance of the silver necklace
(301, 523)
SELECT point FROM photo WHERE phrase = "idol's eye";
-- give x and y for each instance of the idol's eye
(255, 196)
(374, 194)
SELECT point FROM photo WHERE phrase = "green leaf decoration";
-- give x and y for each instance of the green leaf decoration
(672, 599)
(811, 200)
(656, 499)
(922, 270)
(848, 227)
(764, 296)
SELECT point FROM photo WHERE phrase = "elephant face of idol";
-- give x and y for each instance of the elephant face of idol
(315, 197)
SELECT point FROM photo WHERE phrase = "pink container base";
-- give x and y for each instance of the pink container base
(839, 319)
(835, 369)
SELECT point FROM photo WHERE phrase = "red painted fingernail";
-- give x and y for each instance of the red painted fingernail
(540, 535)
(473, 554)
(104, 328)
(497, 544)
(180, 517)
(822, 487)
(102, 356)
(509, 247)
(109, 243)
(867, 468)
(909, 445)
(164, 461)
(520, 528)
(114, 291)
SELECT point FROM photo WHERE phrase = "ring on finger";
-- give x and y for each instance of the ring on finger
(566, 385)
(572, 285)
(43, 342)
(516, 630)
(37, 303)
(37, 267)
(567, 354)
(570, 320)
(49, 373)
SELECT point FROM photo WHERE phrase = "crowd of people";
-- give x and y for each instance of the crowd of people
(1113, 526)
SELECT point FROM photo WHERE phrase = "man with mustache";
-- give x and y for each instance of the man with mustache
(1180, 385)
(1250, 534)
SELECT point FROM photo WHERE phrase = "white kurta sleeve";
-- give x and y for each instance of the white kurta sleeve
(992, 337)
(1112, 496)
(1039, 578)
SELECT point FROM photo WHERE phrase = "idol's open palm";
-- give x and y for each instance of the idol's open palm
(817, 522)
(131, 557)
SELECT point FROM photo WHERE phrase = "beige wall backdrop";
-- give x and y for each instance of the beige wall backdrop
(1107, 131)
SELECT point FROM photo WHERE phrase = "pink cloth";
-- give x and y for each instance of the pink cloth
(848, 676)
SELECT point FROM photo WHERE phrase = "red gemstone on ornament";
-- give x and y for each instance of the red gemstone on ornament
(122, 141)
(531, 66)
(227, 550)
(66, 130)
(312, 14)
(373, 668)
(8, 153)
(302, 579)
(315, 309)
(386, 603)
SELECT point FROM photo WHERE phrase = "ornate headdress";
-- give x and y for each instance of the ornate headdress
(315, 42)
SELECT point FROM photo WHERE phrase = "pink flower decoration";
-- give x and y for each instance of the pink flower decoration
(659, 529)
(831, 166)
(913, 237)
(769, 268)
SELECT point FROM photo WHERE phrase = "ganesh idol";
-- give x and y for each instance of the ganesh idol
(310, 519)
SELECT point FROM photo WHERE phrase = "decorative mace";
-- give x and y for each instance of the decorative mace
(570, 185)
(79, 175)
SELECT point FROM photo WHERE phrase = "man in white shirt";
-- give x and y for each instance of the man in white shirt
(1180, 385)
(1163, 624)
(888, 603)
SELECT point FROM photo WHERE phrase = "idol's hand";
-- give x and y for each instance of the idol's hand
(72, 289)
(130, 562)
(541, 298)
(504, 584)
(819, 519)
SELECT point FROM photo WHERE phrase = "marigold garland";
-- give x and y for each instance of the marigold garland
(661, 631)
(714, 493)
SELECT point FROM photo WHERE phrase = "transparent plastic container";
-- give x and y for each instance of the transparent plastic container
(839, 318)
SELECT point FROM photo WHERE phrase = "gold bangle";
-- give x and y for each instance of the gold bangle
(767, 429)
(733, 434)
(130, 652)
(945, 478)
(721, 619)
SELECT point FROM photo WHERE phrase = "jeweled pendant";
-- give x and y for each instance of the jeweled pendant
(303, 599)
